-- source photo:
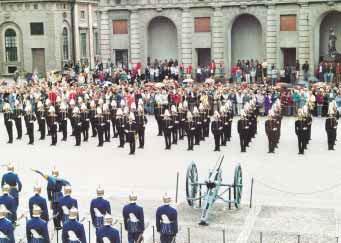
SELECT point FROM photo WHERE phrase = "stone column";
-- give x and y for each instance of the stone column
(271, 36)
(91, 37)
(186, 37)
(76, 32)
(303, 37)
(218, 36)
(135, 40)
(105, 33)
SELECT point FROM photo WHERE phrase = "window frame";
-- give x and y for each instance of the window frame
(31, 28)
(11, 46)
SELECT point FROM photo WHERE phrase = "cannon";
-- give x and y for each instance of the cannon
(210, 191)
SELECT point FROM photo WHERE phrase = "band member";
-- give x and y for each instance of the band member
(198, 125)
(175, 119)
(204, 116)
(141, 122)
(77, 123)
(53, 125)
(72, 104)
(66, 203)
(243, 130)
(17, 113)
(107, 232)
(107, 118)
(331, 127)
(167, 221)
(92, 115)
(12, 179)
(167, 125)
(9, 202)
(85, 122)
(54, 194)
(62, 118)
(73, 231)
(6, 226)
(133, 217)
(229, 114)
(158, 111)
(99, 207)
(217, 130)
(30, 118)
(224, 120)
(41, 117)
(120, 124)
(190, 130)
(39, 201)
(182, 119)
(36, 228)
(100, 126)
(8, 119)
(113, 111)
(300, 130)
(270, 130)
(130, 131)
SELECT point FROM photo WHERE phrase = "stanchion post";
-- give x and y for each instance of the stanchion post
(337, 239)
(153, 234)
(261, 237)
(89, 223)
(121, 231)
(251, 194)
(199, 196)
(224, 240)
(298, 238)
(177, 187)
(189, 235)
(229, 198)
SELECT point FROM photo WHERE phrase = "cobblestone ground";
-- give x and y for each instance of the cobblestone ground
(152, 171)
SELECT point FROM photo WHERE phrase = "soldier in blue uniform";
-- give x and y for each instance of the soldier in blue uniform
(167, 221)
(9, 202)
(54, 194)
(98, 208)
(36, 228)
(133, 219)
(39, 201)
(66, 203)
(107, 233)
(12, 179)
(6, 227)
(73, 231)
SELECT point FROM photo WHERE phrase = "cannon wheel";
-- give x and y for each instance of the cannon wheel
(191, 183)
(238, 185)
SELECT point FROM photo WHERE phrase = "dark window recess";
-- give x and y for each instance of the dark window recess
(37, 28)
(12, 69)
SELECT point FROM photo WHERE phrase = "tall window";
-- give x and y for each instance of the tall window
(65, 44)
(83, 44)
(11, 46)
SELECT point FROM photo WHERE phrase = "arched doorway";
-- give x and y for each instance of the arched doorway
(331, 20)
(246, 39)
(162, 39)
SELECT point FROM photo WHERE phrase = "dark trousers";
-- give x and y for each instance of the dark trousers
(133, 237)
(159, 125)
(100, 135)
(30, 131)
(175, 135)
(85, 130)
(141, 132)
(272, 143)
(228, 135)
(206, 130)
(42, 128)
(331, 137)
(114, 128)
(9, 128)
(53, 132)
(121, 137)
(93, 128)
(217, 142)
(166, 238)
(168, 139)
(197, 136)
(63, 126)
(56, 215)
(190, 139)
(181, 133)
(301, 144)
(132, 143)
(243, 142)
(78, 130)
(107, 131)
(19, 127)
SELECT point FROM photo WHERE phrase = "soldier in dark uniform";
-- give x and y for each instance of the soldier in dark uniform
(41, 117)
(38, 200)
(158, 111)
(167, 221)
(224, 120)
(308, 120)
(229, 114)
(77, 123)
(99, 207)
(53, 125)
(120, 126)
(108, 232)
(46, 107)
(30, 118)
(217, 129)
(9, 202)
(73, 231)
(331, 127)
(198, 125)
(8, 119)
(167, 125)
(6, 227)
(66, 203)
(107, 119)
(190, 130)
(92, 116)
(100, 123)
(141, 122)
(182, 120)
(36, 227)
(175, 119)
(113, 110)
(62, 119)
(17, 113)
(130, 130)
(72, 104)
(133, 217)
(243, 129)
(300, 130)
(85, 122)
(12, 179)
(270, 130)
(205, 121)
